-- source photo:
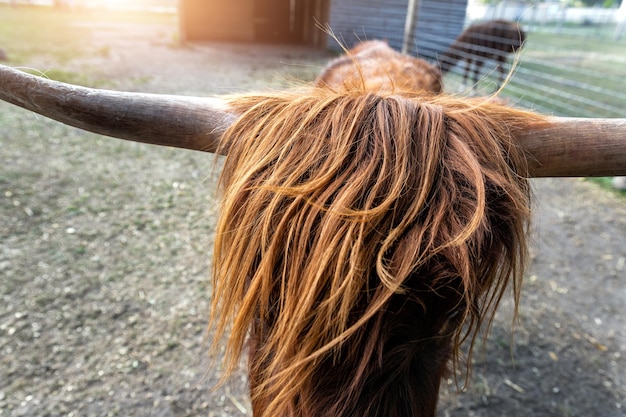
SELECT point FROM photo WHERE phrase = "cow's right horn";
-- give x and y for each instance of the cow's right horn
(178, 121)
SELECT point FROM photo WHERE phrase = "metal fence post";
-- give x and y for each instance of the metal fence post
(409, 25)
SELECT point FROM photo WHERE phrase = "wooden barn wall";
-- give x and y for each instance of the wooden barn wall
(438, 23)
(437, 26)
(263, 21)
(355, 20)
(230, 20)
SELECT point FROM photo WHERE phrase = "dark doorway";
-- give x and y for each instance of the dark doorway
(272, 20)
(288, 21)
(261, 21)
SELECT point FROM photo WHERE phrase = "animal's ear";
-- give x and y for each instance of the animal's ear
(575, 147)
(178, 121)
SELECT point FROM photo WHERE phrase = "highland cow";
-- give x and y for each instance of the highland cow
(364, 233)
(375, 66)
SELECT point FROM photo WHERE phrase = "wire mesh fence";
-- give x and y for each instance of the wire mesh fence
(565, 68)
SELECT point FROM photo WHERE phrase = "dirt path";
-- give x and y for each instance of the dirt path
(105, 258)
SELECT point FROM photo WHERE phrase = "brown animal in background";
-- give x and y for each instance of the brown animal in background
(375, 66)
(495, 39)
(363, 234)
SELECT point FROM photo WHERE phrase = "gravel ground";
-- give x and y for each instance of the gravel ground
(105, 254)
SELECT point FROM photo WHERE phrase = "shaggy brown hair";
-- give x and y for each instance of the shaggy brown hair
(362, 238)
(375, 66)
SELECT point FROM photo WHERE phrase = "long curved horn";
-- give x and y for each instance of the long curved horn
(183, 122)
(576, 147)
(559, 147)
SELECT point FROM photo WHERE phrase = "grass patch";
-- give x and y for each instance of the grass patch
(27, 32)
(583, 43)
(565, 74)
(603, 31)
(70, 77)
(605, 182)
(582, 76)
(39, 37)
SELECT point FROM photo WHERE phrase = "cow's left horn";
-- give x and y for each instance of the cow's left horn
(575, 147)
(179, 121)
